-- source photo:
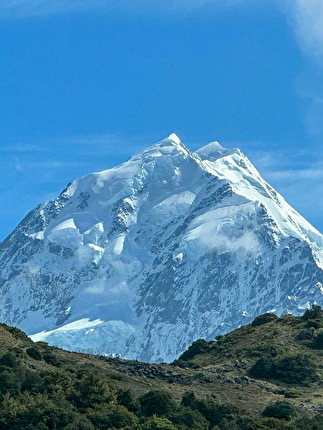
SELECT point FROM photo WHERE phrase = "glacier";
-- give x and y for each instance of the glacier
(144, 258)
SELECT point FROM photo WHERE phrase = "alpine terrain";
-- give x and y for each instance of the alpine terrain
(171, 246)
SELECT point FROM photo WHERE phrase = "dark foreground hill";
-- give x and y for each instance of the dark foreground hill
(266, 375)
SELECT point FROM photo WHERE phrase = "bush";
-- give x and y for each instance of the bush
(33, 382)
(186, 418)
(308, 423)
(264, 319)
(18, 334)
(34, 353)
(292, 394)
(9, 360)
(156, 403)
(318, 340)
(263, 368)
(188, 399)
(306, 334)
(314, 324)
(157, 423)
(281, 410)
(9, 383)
(213, 412)
(198, 347)
(51, 358)
(297, 369)
(315, 312)
(80, 423)
(89, 391)
(121, 418)
(125, 398)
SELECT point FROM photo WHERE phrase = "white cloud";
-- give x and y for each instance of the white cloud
(307, 20)
(32, 8)
(50, 164)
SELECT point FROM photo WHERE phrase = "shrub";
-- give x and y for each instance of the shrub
(318, 340)
(34, 353)
(33, 383)
(292, 394)
(125, 398)
(315, 312)
(90, 390)
(186, 418)
(308, 423)
(214, 412)
(158, 423)
(314, 324)
(263, 368)
(188, 399)
(306, 334)
(156, 403)
(9, 383)
(9, 359)
(281, 410)
(18, 334)
(198, 347)
(51, 358)
(297, 369)
(264, 319)
(121, 418)
(80, 423)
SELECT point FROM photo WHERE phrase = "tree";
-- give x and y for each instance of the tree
(281, 409)
(315, 312)
(157, 423)
(90, 390)
(318, 340)
(156, 402)
(264, 319)
(186, 418)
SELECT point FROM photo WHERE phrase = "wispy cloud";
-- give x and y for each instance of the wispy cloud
(38, 8)
(49, 164)
(307, 17)
(297, 175)
(21, 148)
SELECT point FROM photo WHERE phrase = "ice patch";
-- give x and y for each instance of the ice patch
(73, 326)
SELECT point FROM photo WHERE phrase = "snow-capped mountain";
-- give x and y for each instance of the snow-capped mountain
(144, 258)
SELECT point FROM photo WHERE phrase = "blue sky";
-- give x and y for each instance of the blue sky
(86, 84)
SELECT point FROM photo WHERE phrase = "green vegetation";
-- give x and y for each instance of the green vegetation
(281, 409)
(292, 369)
(266, 375)
(264, 319)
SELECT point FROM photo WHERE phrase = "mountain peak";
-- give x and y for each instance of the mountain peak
(170, 146)
(174, 138)
(169, 247)
(213, 150)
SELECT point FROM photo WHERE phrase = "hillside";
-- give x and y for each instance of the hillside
(264, 375)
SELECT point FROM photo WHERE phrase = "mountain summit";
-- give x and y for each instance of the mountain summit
(171, 246)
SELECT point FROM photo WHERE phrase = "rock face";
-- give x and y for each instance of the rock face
(169, 247)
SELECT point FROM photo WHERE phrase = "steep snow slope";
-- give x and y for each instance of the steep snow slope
(171, 246)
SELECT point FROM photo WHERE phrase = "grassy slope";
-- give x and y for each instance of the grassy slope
(218, 370)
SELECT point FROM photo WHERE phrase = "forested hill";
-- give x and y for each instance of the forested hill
(266, 375)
